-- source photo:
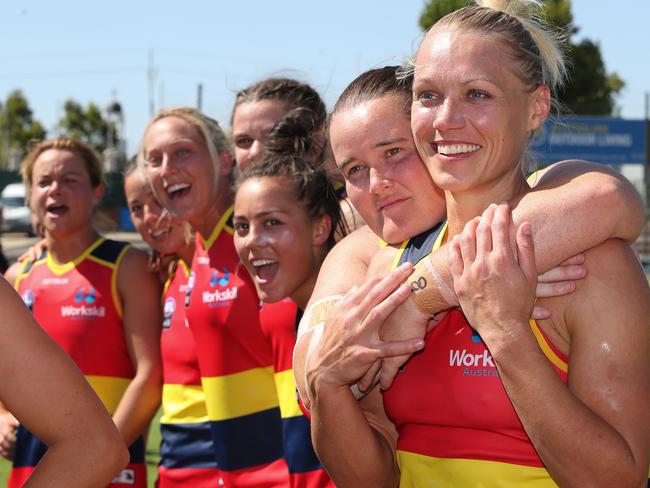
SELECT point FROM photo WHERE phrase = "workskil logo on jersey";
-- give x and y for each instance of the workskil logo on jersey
(473, 364)
(220, 296)
(84, 308)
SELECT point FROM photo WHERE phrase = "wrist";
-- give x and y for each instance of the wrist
(507, 340)
(431, 294)
(322, 385)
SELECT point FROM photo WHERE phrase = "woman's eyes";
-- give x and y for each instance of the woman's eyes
(240, 227)
(425, 96)
(154, 160)
(243, 227)
(272, 222)
(243, 142)
(157, 159)
(352, 169)
(477, 94)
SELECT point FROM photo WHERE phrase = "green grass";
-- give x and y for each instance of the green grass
(153, 443)
(5, 466)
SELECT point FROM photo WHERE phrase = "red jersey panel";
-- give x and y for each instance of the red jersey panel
(279, 323)
(236, 364)
(78, 305)
(456, 424)
(186, 449)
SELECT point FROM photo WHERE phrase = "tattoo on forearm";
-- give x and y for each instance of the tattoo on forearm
(419, 284)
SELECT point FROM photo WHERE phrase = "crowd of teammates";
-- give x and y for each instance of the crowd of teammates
(258, 231)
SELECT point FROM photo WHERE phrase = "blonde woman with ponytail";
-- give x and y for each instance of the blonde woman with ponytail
(493, 398)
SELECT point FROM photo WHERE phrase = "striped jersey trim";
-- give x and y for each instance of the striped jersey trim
(548, 349)
(286, 387)
(183, 404)
(424, 471)
(239, 394)
(109, 390)
(225, 223)
(59, 269)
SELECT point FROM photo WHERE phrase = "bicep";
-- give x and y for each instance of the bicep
(140, 292)
(610, 344)
(35, 371)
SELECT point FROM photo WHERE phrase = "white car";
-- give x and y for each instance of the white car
(16, 215)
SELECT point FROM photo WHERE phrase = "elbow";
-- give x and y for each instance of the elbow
(620, 194)
(116, 454)
(109, 451)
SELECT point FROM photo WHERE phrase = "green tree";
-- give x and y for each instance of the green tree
(87, 125)
(590, 90)
(18, 129)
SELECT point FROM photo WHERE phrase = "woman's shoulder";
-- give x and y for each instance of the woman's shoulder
(347, 263)
(614, 291)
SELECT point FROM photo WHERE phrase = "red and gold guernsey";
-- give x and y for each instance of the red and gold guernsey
(236, 364)
(279, 323)
(456, 424)
(78, 305)
(186, 449)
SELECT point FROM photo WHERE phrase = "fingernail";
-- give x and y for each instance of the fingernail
(405, 266)
(419, 344)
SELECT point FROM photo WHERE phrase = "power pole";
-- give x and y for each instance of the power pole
(199, 96)
(647, 153)
(151, 75)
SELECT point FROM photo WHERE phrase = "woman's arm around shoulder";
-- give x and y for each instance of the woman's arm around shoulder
(140, 290)
(43, 388)
(345, 266)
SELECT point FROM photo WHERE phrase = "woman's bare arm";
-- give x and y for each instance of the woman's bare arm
(344, 267)
(44, 389)
(602, 412)
(140, 291)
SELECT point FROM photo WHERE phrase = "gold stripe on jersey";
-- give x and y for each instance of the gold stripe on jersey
(59, 269)
(116, 295)
(22, 275)
(222, 224)
(285, 384)
(400, 251)
(239, 394)
(179, 264)
(546, 349)
(183, 404)
(424, 471)
(109, 389)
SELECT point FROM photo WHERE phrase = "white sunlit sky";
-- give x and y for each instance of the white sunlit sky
(97, 51)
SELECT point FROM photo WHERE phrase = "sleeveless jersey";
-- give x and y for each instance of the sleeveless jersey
(279, 323)
(78, 305)
(456, 424)
(236, 364)
(186, 449)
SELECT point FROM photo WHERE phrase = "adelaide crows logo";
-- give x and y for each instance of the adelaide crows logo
(220, 280)
(82, 296)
